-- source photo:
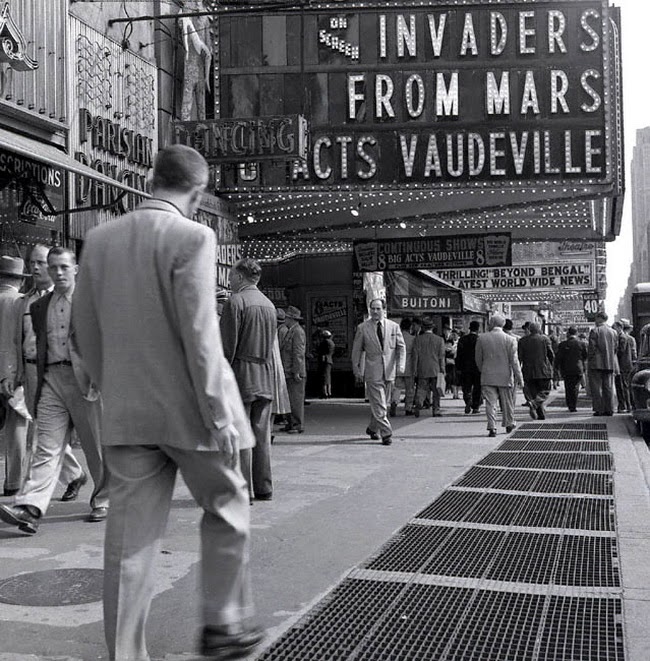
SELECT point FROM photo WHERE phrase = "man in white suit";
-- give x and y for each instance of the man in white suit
(496, 358)
(378, 353)
(146, 322)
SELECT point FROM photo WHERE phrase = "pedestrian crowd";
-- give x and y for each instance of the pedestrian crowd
(126, 353)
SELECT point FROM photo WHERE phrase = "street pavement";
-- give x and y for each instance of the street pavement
(338, 496)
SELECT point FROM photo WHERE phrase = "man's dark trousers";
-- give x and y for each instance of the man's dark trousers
(572, 388)
(471, 384)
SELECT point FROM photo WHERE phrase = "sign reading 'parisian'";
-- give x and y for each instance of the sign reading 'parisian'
(469, 93)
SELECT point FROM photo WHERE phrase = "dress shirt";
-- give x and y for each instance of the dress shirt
(29, 337)
(58, 327)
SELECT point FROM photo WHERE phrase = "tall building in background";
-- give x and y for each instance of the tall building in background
(640, 177)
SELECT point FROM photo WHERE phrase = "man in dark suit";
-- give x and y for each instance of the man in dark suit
(603, 343)
(64, 395)
(536, 357)
(248, 331)
(146, 321)
(470, 375)
(428, 363)
(570, 362)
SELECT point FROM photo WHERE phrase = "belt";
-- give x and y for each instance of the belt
(60, 362)
(31, 361)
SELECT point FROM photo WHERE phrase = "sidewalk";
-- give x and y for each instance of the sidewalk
(338, 498)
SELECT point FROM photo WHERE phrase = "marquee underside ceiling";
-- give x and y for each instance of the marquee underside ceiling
(543, 213)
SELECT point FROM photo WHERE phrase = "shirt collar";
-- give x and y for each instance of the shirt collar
(68, 295)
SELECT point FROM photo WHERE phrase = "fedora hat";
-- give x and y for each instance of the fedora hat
(293, 313)
(427, 322)
(280, 314)
(13, 266)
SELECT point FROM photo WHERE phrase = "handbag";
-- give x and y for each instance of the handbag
(441, 383)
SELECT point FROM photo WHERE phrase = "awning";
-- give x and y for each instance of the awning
(50, 155)
(423, 292)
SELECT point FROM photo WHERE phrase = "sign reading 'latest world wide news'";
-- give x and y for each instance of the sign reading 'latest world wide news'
(452, 252)
(574, 276)
(481, 91)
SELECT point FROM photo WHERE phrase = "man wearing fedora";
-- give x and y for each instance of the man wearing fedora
(292, 349)
(249, 333)
(378, 354)
(428, 363)
(15, 421)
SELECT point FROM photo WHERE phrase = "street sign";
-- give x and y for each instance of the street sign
(591, 305)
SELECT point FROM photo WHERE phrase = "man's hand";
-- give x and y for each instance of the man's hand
(7, 388)
(227, 439)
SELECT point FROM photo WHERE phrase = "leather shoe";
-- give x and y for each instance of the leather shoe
(295, 430)
(9, 492)
(393, 410)
(72, 491)
(264, 496)
(540, 413)
(509, 428)
(387, 440)
(492, 433)
(468, 409)
(373, 434)
(19, 515)
(97, 514)
(532, 410)
(219, 644)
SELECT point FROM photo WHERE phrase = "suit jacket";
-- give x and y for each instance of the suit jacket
(465, 354)
(372, 362)
(146, 323)
(603, 342)
(626, 352)
(10, 307)
(293, 347)
(496, 359)
(38, 311)
(249, 331)
(536, 356)
(571, 357)
(428, 356)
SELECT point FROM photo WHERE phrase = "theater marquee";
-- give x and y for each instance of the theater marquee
(474, 92)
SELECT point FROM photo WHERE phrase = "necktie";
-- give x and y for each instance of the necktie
(380, 334)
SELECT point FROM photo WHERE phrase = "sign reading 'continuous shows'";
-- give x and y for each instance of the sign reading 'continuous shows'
(441, 94)
(443, 252)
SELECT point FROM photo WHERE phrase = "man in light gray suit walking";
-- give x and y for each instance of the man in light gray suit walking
(378, 353)
(496, 358)
(146, 323)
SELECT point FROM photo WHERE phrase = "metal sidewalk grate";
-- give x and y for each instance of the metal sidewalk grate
(565, 461)
(431, 622)
(565, 426)
(561, 434)
(479, 477)
(598, 636)
(522, 510)
(554, 446)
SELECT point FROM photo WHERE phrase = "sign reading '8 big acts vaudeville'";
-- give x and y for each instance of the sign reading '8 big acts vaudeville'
(429, 93)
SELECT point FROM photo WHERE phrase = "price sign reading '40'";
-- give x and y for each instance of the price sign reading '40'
(591, 304)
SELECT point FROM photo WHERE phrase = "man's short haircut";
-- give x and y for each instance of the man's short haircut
(497, 321)
(525, 325)
(474, 325)
(534, 328)
(405, 324)
(249, 268)
(381, 300)
(508, 325)
(61, 250)
(179, 168)
(572, 330)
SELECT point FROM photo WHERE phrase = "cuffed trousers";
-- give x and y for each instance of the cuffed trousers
(16, 455)
(406, 384)
(142, 483)
(601, 384)
(256, 462)
(502, 395)
(426, 386)
(622, 383)
(61, 404)
(296, 390)
(471, 385)
(571, 390)
(378, 393)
